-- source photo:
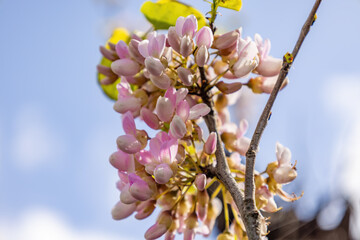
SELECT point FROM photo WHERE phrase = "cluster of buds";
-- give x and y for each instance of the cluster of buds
(163, 81)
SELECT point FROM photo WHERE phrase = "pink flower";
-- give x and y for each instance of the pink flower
(139, 188)
(268, 66)
(126, 100)
(247, 58)
(284, 173)
(186, 26)
(210, 144)
(121, 210)
(133, 141)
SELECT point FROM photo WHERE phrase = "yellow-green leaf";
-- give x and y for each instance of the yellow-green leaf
(110, 90)
(164, 13)
(231, 4)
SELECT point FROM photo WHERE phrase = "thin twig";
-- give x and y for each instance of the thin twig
(251, 213)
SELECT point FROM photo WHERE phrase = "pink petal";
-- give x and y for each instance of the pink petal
(162, 173)
(226, 40)
(174, 39)
(129, 123)
(121, 210)
(150, 118)
(185, 76)
(200, 181)
(162, 81)
(132, 104)
(243, 126)
(186, 46)
(164, 109)
(177, 127)
(181, 94)
(143, 48)
(199, 110)
(125, 196)
(210, 144)
(125, 67)
(144, 157)
(204, 37)
(134, 51)
(122, 161)
(171, 95)
(190, 26)
(202, 56)
(183, 110)
(128, 143)
(269, 66)
(154, 66)
(179, 25)
(139, 188)
(122, 49)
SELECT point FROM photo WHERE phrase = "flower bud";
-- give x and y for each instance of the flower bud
(174, 39)
(122, 50)
(210, 144)
(164, 109)
(125, 67)
(204, 37)
(186, 46)
(154, 66)
(201, 56)
(150, 118)
(225, 40)
(128, 143)
(177, 127)
(125, 195)
(121, 210)
(228, 88)
(134, 52)
(145, 209)
(200, 181)
(131, 104)
(163, 173)
(111, 55)
(162, 81)
(185, 76)
(122, 161)
(139, 188)
(161, 226)
(189, 26)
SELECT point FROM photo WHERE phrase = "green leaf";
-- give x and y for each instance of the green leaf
(164, 13)
(110, 90)
(231, 4)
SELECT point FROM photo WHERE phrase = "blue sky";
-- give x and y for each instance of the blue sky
(57, 129)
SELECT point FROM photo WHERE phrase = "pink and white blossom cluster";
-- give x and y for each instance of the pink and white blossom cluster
(161, 84)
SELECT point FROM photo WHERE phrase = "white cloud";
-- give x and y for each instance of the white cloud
(34, 142)
(43, 224)
(342, 97)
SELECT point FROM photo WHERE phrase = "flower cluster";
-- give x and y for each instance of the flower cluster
(163, 81)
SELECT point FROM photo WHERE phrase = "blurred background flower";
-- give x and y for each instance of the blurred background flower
(57, 129)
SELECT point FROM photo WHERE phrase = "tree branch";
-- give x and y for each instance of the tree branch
(249, 201)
